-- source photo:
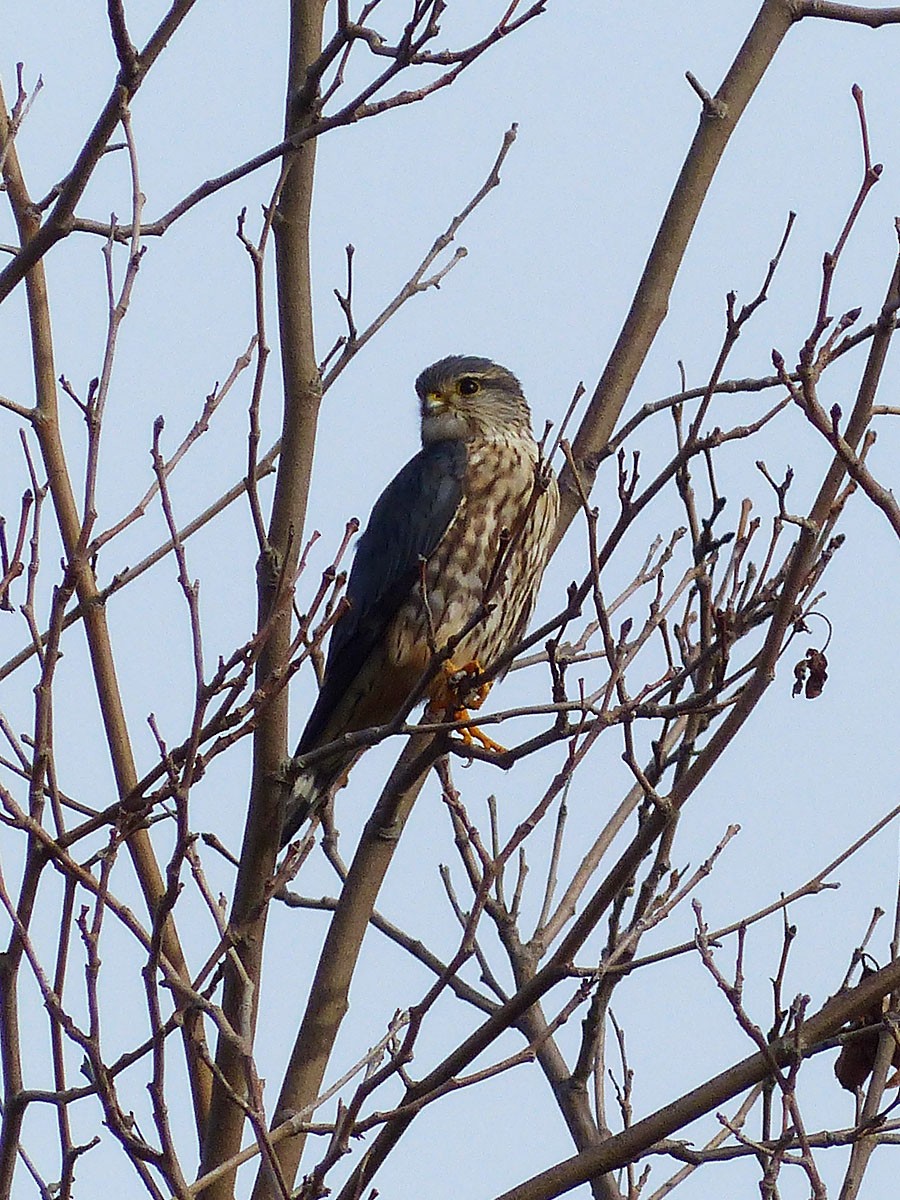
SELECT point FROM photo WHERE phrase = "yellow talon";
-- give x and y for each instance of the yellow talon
(445, 698)
(474, 734)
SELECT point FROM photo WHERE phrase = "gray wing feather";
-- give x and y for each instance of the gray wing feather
(407, 523)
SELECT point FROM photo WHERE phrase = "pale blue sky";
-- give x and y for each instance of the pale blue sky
(605, 117)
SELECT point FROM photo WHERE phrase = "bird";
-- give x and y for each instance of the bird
(455, 548)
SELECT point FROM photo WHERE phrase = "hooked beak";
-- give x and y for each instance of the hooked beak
(435, 402)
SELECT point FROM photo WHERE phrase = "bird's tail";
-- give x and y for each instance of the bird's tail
(313, 787)
(299, 805)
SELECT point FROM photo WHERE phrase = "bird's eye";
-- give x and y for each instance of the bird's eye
(469, 386)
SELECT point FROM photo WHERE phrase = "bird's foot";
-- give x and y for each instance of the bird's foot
(472, 734)
(451, 691)
(451, 697)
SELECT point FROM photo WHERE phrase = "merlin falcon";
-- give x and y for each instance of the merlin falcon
(460, 537)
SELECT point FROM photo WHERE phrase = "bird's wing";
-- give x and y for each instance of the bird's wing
(407, 523)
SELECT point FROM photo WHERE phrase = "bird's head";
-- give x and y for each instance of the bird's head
(463, 396)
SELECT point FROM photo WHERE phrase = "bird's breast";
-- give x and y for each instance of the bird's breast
(488, 564)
